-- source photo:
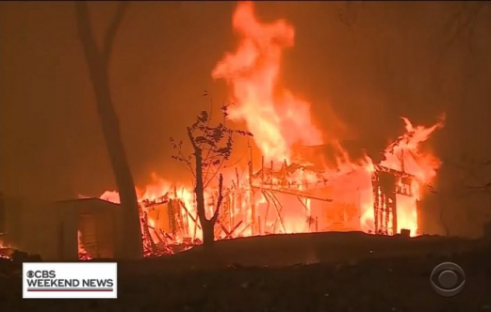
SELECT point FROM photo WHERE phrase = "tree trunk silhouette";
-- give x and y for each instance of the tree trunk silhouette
(207, 225)
(98, 63)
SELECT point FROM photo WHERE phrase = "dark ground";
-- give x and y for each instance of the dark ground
(357, 272)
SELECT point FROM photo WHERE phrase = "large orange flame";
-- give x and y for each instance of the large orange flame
(277, 118)
(405, 153)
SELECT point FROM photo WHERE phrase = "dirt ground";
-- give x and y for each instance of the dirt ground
(333, 272)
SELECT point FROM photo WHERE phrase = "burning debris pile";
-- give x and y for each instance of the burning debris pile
(289, 193)
(6, 252)
(11, 254)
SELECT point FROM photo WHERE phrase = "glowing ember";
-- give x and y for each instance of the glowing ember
(82, 253)
(340, 198)
(5, 254)
(6, 251)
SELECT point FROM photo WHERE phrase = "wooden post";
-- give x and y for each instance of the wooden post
(271, 176)
(262, 171)
(252, 195)
(419, 218)
(284, 173)
(237, 177)
(237, 207)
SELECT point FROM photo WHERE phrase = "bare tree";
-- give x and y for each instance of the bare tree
(98, 62)
(474, 180)
(462, 23)
(462, 26)
(476, 177)
(212, 147)
(442, 208)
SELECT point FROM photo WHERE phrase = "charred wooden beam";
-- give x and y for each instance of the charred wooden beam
(295, 193)
(228, 234)
(252, 195)
(279, 208)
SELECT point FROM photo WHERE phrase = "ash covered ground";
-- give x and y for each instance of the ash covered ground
(304, 272)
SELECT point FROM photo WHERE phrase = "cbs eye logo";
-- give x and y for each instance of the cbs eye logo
(40, 274)
(447, 279)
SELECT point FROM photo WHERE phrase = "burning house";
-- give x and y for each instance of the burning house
(314, 196)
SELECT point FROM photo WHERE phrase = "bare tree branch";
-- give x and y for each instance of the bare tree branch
(485, 187)
(113, 28)
(220, 199)
(191, 138)
(85, 32)
(463, 19)
(214, 174)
